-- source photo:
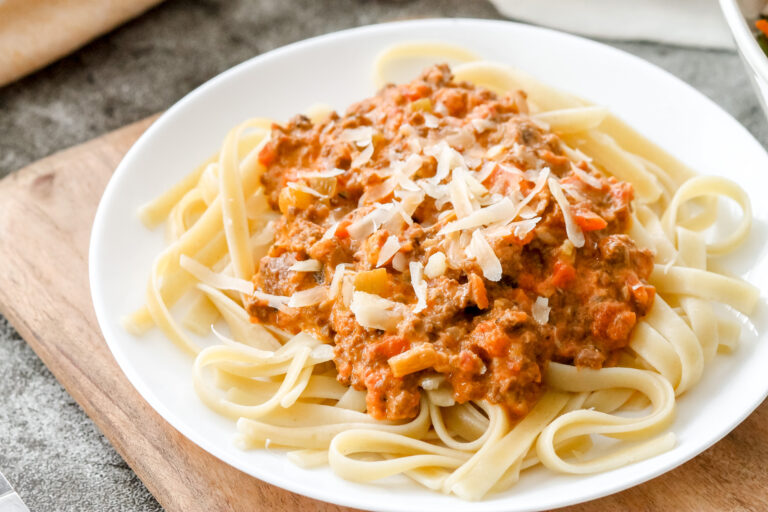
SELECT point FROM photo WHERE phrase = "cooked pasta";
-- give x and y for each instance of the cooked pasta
(461, 278)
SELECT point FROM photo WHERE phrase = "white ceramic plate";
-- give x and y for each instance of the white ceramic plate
(336, 69)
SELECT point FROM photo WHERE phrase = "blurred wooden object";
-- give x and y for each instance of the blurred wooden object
(36, 33)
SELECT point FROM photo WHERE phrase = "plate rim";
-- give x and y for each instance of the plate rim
(300, 487)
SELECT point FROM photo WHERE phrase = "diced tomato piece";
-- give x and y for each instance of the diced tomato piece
(496, 343)
(267, 155)
(416, 91)
(562, 274)
(589, 221)
(391, 346)
(553, 159)
(341, 230)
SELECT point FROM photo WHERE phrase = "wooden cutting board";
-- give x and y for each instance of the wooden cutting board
(46, 211)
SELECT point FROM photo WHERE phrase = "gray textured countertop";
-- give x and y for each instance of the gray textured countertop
(49, 450)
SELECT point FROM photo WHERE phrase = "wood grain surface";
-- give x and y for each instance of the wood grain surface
(46, 212)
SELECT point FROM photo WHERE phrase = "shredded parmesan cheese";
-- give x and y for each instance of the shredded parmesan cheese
(419, 286)
(304, 188)
(331, 173)
(374, 312)
(460, 199)
(587, 178)
(461, 139)
(364, 156)
(494, 151)
(309, 297)
(430, 121)
(501, 211)
(306, 266)
(485, 171)
(388, 250)
(338, 275)
(369, 223)
(481, 251)
(215, 279)
(347, 289)
(540, 182)
(331, 231)
(541, 310)
(575, 235)
(399, 262)
(273, 301)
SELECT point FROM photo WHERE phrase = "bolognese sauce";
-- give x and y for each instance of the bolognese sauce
(457, 237)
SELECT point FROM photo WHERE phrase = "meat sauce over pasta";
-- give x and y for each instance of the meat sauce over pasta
(384, 190)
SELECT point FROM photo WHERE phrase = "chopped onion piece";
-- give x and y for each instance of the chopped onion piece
(435, 266)
(388, 250)
(309, 297)
(374, 312)
(215, 279)
(306, 266)
(540, 310)
(419, 286)
(481, 251)
(575, 235)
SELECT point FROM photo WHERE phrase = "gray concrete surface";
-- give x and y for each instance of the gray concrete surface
(49, 449)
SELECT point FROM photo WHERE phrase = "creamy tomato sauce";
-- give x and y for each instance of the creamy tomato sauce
(488, 336)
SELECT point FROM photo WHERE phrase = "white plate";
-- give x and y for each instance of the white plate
(336, 69)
